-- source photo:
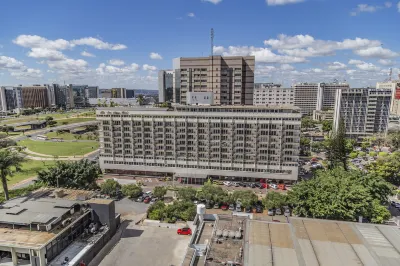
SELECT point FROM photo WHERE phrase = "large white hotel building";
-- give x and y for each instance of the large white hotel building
(243, 143)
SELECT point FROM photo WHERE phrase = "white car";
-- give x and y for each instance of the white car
(274, 186)
(227, 183)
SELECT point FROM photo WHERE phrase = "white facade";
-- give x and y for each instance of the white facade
(316, 96)
(199, 98)
(364, 111)
(200, 141)
(394, 86)
(272, 94)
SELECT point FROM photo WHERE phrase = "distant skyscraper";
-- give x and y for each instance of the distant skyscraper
(230, 78)
(130, 94)
(394, 86)
(80, 95)
(365, 112)
(92, 92)
(165, 86)
(272, 94)
(63, 96)
(113, 93)
(34, 96)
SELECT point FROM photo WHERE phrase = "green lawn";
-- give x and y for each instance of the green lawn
(66, 136)
(60, 148)
(29, 169)
(74, 120)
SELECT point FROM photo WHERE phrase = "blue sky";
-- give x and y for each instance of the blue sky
(124, 43)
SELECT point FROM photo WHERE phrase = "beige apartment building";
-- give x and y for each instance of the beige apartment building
(242, 143)
(229, 78)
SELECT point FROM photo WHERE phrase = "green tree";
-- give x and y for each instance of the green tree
(52, 123)
(394, 140)
(186, 193)
(372, 153)
(160, 192)
(246, 197)
(337, 152)
(211, 192)
(110, 187)
(307, 122)
(140, 99)
(274, 200)
(132, 190)
(305, 142)
(81, 174)
(156, 211)
(49, 118)
(6, 142)
(388, 168)
(353, 155)
(8, 159)
(327, 125)
(341, 195)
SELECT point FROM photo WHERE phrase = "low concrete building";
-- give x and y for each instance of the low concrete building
(36, 229)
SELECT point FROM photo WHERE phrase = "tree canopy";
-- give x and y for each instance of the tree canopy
(337, 147)
(275, 200)
(387, 167)
(110, 187)
(8, 159)
(211, 192)
(160, 192)
(80, 174)
(179, 210)
(307, 122)
(341, 195)
(132, 190)
(327, 125)
(186, 193)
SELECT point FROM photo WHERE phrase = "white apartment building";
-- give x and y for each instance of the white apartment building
(272, 94)
(364, 111)
(394, 86)
(316, 96)
(195, 142)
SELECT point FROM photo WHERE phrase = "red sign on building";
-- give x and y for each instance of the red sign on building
(397, 95)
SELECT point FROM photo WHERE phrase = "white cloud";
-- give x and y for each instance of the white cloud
(351, 71)
(192, 15)
(317, 70)
(10, 63)
(155, 56)
(116, 62)
(290, 42)
(99, 44)
(46, 53)
(105, 70)
(376, 52)
(35, 41)
(218, 49)
(287, 67)
(337, 66)
(368, 67)
(212, 1)
(69, 66)
(87, 54)
(386, 62)
(27, 73)
(365, 8)
(355, 62)
(282, 2)
(147, 67)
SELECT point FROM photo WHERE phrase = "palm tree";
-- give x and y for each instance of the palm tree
(140, 99)
(8, 159)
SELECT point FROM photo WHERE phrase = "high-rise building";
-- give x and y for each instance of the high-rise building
(113, 93)
(34, 96)
(165, 86)
(230, 79)
(92, 92)
(237, 142)
(272, 94)
(130, 94)
(365, 111)
(393, 85)
(79, 95)
(63, 96)
(51, 94)
(316, 96)
(13, 98)
(176, 79)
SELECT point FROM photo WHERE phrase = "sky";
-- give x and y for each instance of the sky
(123, 43)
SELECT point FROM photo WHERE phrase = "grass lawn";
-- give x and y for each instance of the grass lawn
(60, 148)
(66, 136)
(29, 169)
(74, 120)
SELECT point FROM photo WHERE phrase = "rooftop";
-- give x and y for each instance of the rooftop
(29, 239)
(320, 242)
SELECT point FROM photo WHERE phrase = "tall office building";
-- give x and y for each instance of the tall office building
(92, 92)
(51, 94)
(64, 97)
(316, 96)
(34, 96)
(393, 85)
(365, 112)
(272, 94)
(196, 142)
(230, 79)
(165, 86)
(176, 80)
(79, 95)
(130, 94)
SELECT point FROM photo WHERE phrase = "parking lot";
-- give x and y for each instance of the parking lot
(145, 245)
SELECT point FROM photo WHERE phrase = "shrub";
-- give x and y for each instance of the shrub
(353, 154)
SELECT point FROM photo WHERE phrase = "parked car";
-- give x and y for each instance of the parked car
(252, 185)
(258, 185)
(154, 199)
(271, 212)
(238, 207)
(216, 206)
(225, 207)
(278, 211)
(273, 186)
(287, 212)
(232, 207)
(149, 193)
(209, 205)
(259, 208)
(249, 209)
(184, 231)
(236, 184)
(140, 199)
(227, 183)
(147, 200)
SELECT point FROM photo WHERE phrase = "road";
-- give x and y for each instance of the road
(47, 130)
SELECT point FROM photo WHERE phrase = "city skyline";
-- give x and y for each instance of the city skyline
(353, 41)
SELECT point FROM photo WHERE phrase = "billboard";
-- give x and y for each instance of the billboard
(397, 95)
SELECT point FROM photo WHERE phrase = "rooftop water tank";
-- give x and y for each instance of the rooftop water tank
(238, 235)
(201, 209)
(231, 234)
(225, 233)
(218, 233)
